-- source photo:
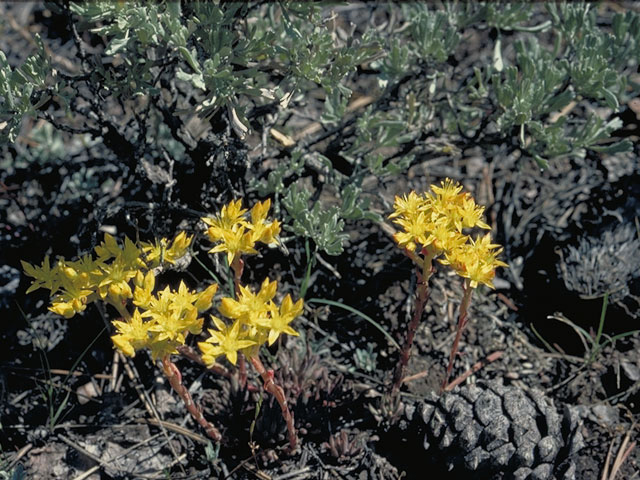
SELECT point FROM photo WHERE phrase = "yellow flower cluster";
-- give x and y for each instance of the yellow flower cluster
(256, 320)
(74, 284)
(164, 319)
(235, 234)
(159, 322)
(433, 225)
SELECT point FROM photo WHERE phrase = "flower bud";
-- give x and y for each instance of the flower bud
(114, 290)
(70, 273)
(149, 281)
(206, 298)
(138, 280)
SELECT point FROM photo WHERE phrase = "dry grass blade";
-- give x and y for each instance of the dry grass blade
(605, 470)
(114, 371)
(476, 366)
(584, 336)
(175, 428)
(315, 127)
(19, 454)
(623, 452)
(75, 373)
(69, 390)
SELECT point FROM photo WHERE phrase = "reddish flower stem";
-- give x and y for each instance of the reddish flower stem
(277, 391)
(237, 265)
(462, 322)
(175, 379)
(422, 295)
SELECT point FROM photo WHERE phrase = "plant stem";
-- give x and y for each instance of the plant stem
(124, 313)
(462, 322)
(422, 295)
(238, 266)
(175, 379)
(596, 344)
(310, 262)
(277, 391)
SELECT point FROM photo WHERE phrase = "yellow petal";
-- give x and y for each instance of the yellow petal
(122, 344)
(205, 299)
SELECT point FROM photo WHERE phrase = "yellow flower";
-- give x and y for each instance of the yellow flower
(447, 193)
(172, 326)
(471, 214)
(88, 271)
(115, 281)
(443, 237)
(263, 231)
(230, 216)
(236, 234)
(178, 247)
(408, 206)
(173, 314)
(159, 251)
(224, 341)
(110, 249)
(436, 220)
(205, 298)
(476, 261)
(234, 242)
(132, 335)
(415, 231)
(183, 299)
(250, 306)
(74, 294)
(143, 292)
(280, 319)
(65, 309)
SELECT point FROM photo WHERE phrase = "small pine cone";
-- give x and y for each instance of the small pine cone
(498, 430)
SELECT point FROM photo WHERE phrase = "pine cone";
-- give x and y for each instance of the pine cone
(499, 431)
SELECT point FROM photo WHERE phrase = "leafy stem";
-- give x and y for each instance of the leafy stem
(277, 391)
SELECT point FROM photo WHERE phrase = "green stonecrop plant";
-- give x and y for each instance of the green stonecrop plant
(255, 319)
(433, 227)
(124, 276)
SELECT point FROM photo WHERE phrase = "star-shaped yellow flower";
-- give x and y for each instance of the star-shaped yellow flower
(224, 341)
